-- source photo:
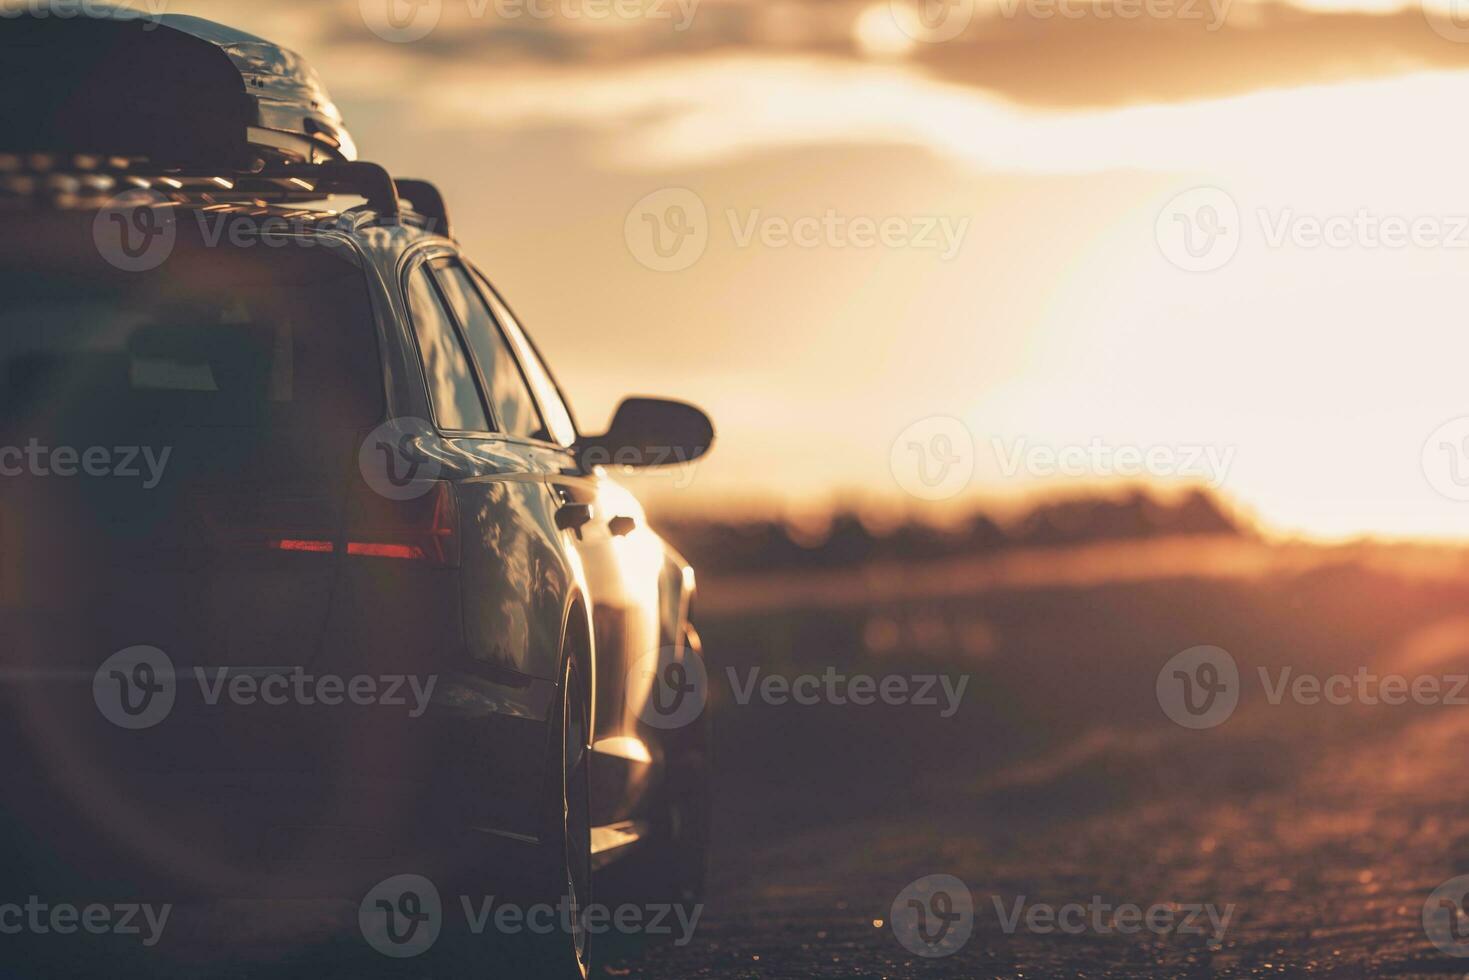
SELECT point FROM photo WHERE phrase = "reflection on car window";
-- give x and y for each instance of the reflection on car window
(558, 418)
(515, 409)
(451, 384)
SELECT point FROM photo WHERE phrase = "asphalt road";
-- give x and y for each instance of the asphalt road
(1291, 839)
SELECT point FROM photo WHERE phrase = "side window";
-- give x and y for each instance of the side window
(558, 417)
(451, 383)
(515, 409)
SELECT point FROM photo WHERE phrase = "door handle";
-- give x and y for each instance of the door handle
(621, 527)
(572, 517)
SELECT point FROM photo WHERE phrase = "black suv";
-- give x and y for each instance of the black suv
(324, 623)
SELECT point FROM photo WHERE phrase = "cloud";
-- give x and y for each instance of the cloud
(1031, 86)
(1046, 53)
(675, 114)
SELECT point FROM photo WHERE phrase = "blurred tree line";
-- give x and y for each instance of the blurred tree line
(848, 539)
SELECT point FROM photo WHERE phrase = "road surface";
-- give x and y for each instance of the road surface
(1314, 833)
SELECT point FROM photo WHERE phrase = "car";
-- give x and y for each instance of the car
(326, 626)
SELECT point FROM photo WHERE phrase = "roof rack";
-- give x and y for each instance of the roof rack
(80, 180)
(427, 201)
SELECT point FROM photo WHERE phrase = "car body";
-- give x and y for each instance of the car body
(372, 609)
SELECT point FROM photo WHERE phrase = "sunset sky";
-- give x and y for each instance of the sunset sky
(1048, 139)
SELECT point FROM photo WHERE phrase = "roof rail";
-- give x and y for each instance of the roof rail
(359, 177)
(84, 178)
(427, 201)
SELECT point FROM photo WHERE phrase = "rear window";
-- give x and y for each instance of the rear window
(230, 330)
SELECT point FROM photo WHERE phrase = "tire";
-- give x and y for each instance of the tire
(559, 871)
(679, 847)
(671, 865)
(566, 842)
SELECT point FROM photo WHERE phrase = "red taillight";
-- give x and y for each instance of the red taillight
(410, 551)
(300, 544)
(423, 529)
(255, 521)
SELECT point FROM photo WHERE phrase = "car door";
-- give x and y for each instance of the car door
(516, 572)
(623, 562)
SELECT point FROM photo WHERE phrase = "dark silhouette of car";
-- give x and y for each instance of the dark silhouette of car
(314, 594)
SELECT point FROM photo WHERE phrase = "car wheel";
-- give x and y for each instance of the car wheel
(671, 865)
(567, 841)
(558, 875)
(682, 834)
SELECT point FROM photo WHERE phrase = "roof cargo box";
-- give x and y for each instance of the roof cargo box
(172, 92)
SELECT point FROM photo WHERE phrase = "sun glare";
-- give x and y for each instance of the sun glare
(878, 34)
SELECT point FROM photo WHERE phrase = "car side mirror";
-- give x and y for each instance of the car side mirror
(649, 432)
